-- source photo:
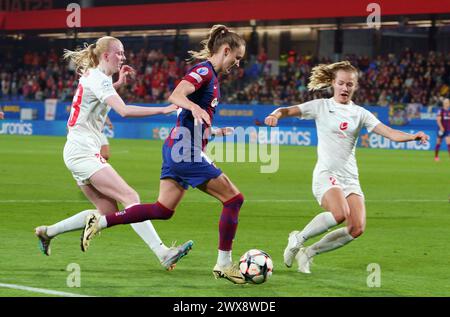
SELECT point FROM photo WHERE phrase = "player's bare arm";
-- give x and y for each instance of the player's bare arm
(128, 111)
(179, 97)
(399, 136)
(283, 112)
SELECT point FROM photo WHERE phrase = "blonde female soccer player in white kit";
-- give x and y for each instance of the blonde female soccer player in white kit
(100, 183)
(335, 178)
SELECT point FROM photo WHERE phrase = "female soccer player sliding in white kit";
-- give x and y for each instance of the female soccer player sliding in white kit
(100, 183)
(335, 178)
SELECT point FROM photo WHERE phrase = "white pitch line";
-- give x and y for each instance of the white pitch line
(40, 290)
(33, 201)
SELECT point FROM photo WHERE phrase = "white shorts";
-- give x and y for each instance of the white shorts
(82, 163)
(323, 180)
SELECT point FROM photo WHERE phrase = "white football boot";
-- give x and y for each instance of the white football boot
(292, 248)
(304, 262)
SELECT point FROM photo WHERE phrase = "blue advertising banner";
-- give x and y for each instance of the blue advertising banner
(294, 135)
(233, 115)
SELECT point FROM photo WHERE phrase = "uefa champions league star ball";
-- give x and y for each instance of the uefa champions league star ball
(256, 266)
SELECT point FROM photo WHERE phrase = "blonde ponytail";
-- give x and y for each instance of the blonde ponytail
(322, 75)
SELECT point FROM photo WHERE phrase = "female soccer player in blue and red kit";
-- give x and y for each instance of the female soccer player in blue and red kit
(184, 160)
(443, 121)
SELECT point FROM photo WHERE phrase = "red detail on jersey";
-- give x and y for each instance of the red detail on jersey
(76, 106)
(332, 180)
(192, 78)
(343, 126)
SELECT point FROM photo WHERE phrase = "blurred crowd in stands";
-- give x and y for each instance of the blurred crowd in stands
(408, 78)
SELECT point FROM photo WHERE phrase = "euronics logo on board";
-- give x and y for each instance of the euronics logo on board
(19, 128)
(375, 141)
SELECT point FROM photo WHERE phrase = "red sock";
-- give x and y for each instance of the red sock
(229, 221)
(436, 150)
(139, 213)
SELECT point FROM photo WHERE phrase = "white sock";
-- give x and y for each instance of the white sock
(224, 258)
(320, 224)
(69, 224)
(102, 222)
(148, 233)
(333, 240)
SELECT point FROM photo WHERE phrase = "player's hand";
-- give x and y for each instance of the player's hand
(441, 133)
(223, 131)
(422, 137)
(271, 120)
(125, 73)
(171, 108)
(2, 115)
(200, 116)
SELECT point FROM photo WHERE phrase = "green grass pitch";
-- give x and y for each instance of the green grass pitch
(407, 234)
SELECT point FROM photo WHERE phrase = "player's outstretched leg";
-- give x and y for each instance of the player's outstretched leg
(175, 254)
(46, 233)
(133, 214)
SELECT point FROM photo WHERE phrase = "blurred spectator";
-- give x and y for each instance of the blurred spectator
(409, 78)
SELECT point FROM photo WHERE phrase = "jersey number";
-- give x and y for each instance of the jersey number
(75, 111)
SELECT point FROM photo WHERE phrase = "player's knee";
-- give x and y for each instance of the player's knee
(164, 213)
(240, 199)
(237, 200)
(130, 197)
(167, 214)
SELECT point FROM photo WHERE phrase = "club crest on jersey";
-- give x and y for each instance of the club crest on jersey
(214, 103)
(343, 126)
(203, 71)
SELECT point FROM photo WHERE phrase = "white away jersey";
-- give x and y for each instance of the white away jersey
(338, 128)
(89, 110)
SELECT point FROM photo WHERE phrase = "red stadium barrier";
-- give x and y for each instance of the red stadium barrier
(214, 12)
